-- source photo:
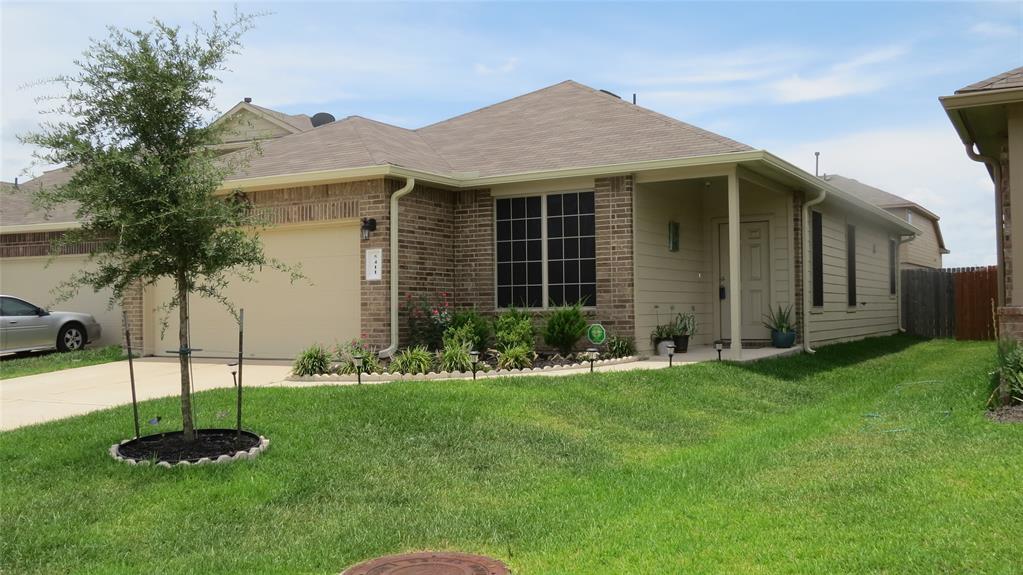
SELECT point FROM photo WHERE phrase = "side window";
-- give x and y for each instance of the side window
(893, 270)
(15, 307)
(850, 263)
(817, 255)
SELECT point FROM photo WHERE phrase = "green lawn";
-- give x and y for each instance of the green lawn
(53, 361)
(871, 457)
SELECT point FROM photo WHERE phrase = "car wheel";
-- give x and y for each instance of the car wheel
(71, 338)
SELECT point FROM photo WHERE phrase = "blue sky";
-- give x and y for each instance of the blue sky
(856, 81)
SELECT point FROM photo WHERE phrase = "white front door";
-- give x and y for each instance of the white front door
(754, 279)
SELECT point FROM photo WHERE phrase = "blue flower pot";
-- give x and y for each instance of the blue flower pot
(783, 340)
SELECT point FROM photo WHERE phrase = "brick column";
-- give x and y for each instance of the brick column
(474, 250)
(1010, 322)
(797, 246)
(615, 282)
(132, 305)
(375, 305)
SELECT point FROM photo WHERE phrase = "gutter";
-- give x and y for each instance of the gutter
(808, 270)
(405, 190)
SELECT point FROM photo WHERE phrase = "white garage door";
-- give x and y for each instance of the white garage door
(281, 318)
(30, 278)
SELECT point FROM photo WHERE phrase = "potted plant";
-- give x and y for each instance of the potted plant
(685, 326)
(779, 322)
(663, 335)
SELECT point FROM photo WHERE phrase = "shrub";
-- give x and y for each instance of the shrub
(455, 356)
(564, 328)
(459, 336)
(618, 346)
(516, 357)
(1007, 379)
(428, 318)
(344, 354)
(685, 323)
(415, 359)
(779, 321)
(514, 328)
(477, 325)
(314, 360)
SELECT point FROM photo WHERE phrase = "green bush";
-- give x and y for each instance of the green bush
(428, 318)
(459, 336)
(455, 356)
(514, 328)
(1007, 379)
(344, 354)
(314, 360)
(618, 346)
(415, 359)
(516, 357)
(564, 328)
(476, 325)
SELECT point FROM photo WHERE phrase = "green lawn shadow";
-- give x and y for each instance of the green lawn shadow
(831, 357)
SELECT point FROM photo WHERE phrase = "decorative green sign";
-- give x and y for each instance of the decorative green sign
(596, 334)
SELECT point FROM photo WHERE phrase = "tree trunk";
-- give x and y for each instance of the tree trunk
(187, 426)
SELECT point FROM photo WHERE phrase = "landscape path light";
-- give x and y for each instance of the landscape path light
(671, 352)
(475, 362)
(718, 346)
(358, 359)
(592, 354)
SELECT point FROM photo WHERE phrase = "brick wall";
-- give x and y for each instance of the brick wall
(132, 307)
(474, 251)
(40, 244)
(797, 243)
(1010, 322)
(615, 282)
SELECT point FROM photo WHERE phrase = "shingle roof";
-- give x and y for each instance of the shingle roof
(566, 125)
(881, 198)
(16, 203)
(1011, 79)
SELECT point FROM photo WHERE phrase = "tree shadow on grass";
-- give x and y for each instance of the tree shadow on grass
(827, 358)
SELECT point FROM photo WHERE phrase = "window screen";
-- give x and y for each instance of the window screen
(519, 252)
(571, 249)
(817, 249)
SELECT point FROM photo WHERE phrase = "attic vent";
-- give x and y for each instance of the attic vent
(321, 118)
(609, 93)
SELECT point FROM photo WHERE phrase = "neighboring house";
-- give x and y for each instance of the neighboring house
(988, 116)
(926, 249)
(561, 195)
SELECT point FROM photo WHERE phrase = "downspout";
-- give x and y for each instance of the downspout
(410, 183)
(808, 270)
(996, 173)
(898, 270)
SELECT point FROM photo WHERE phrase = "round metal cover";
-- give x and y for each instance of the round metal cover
(430, 563)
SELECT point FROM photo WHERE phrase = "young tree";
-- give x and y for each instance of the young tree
(135, 128)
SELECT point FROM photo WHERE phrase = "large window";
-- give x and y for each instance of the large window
(850, 263)
(893, 269)
(817, 255)
(567, 221)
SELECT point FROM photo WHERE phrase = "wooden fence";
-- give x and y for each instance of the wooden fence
(951, 302)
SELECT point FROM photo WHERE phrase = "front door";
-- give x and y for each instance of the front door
(754, 279)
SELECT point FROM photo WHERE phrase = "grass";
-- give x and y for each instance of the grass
(870, 457)
(44, 362)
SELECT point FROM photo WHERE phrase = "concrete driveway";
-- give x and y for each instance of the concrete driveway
(59, 394)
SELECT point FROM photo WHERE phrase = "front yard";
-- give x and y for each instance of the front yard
(44, 362)
(868, 457)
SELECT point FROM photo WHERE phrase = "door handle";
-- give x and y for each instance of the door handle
(12, 322)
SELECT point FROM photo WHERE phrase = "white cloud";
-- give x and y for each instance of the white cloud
(509, 65)
(858, 75)
(926, 165)
(994, 30)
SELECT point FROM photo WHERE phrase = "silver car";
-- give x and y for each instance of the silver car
(28, 327)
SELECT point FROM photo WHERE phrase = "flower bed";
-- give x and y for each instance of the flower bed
(540, 366)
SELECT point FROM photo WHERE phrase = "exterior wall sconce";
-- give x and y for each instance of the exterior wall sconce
(718, 346)
(368, 225)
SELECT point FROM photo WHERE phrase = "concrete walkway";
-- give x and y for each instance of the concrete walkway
(49, 396)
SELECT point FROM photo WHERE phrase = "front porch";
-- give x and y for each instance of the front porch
(720, 243)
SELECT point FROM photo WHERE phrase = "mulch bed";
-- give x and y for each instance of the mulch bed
(1007, 414)
(172, 447)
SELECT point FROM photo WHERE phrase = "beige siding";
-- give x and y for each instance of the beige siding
(246, 126)
(836, 320)
(924, 251)
(33, 278)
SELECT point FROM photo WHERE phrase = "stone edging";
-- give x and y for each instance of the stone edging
(380, 377)
(251, 453)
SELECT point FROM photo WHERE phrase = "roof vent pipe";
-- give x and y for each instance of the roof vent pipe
(248, 100)
(393, 223)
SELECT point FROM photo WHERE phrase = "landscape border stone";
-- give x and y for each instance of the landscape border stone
(441, 375)
(250, 453)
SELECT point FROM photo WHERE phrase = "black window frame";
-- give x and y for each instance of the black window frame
(817, 257)
(568, 250)
(893, 271)
(850, 264)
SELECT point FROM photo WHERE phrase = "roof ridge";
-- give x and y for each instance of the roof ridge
(419, 137)
(487, 107)
(362, 140)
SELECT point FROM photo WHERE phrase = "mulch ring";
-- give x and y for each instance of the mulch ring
(1007, 414)
(172, 447)
(430, 563)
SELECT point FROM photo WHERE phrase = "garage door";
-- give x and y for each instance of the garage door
(281, 318)
(31, 279)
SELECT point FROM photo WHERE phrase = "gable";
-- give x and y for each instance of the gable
(245, 126)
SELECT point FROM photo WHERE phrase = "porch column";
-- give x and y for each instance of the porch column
(735, 301)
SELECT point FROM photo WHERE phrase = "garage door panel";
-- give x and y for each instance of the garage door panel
(281, 317)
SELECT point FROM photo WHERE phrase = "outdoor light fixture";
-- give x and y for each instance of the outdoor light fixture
(358, 360)
(368, 225)
(718, 346)
(671, 352)
(475, 362)
(592, 353)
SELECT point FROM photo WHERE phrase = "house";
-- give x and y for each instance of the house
(560, 195)
(926, 249)
(988, 116)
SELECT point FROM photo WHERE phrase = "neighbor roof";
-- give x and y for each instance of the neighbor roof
(300, 122)
(16, 202)
(566, 125)
(1011, 79)
(883, 199)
